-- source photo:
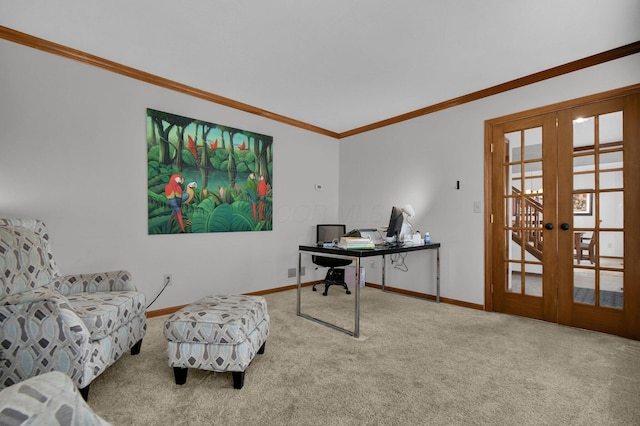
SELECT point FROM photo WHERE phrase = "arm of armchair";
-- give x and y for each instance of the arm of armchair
(40, 332)
(42, 399)
(91, 283)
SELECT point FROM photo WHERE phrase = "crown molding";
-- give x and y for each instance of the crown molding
(87, 58)
(569, 67)
(77, 55)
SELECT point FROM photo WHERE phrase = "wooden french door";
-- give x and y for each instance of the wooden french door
(563, 232)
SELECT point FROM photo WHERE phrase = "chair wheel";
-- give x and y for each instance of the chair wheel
(348, 292)
(314, 289)
(324, 294)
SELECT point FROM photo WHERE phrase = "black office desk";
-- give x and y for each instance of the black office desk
(356, 256)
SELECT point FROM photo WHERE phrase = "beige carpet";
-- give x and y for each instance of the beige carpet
(416, 363)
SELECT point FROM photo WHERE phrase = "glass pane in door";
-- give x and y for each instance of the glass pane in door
(584, 285)
(514, 277)
(610, 128)
(533, 279)
(611, 294)
(598, 195)
(611, 210)
(583, 133)
(610, 249)
(523, 211)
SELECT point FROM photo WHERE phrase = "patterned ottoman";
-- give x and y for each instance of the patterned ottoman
(217, 333)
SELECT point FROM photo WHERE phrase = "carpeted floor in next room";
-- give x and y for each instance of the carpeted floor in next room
(416, 363)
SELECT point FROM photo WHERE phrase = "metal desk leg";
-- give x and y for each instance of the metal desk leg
(384, 261)
(299, 284)
(356, 329)
(356, 332)
(438, 275)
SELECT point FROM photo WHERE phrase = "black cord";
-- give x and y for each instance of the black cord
(400, 264)
(156, 298)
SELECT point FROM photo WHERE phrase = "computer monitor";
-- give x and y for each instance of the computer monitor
(395, 223)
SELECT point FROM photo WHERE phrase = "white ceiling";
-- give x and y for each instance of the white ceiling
(335, 64)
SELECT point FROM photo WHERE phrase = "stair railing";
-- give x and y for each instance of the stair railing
(527, 223)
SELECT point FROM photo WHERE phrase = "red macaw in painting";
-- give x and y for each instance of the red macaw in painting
(262, 192)
(253, 193)
(174, 194)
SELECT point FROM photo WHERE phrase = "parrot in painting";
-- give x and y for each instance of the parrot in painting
(175, 197)
(243, 146)
(253, 193)
(190, 192)
(262, 193)
(213, 146)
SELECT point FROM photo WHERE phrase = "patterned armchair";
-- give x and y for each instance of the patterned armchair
(75, 324)
(47, 399)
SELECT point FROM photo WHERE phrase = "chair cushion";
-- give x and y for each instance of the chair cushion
(225, 319)
(47, 399)
(25, 260)
(105, 312)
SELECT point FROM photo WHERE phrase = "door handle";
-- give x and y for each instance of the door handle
(565, 226)
(549, 225)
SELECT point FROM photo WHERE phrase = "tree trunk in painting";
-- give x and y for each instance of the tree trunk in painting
(204, 159)
(232, 162)
(265, 155)
(179, 145)
(164, 154)
(256, 155)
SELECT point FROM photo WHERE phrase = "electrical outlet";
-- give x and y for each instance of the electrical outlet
(167, 279)
(293, 272)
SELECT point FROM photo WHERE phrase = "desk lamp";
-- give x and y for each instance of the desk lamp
(409, 213)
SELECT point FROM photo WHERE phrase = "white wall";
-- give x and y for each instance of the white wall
(73, 153)
(419, 162)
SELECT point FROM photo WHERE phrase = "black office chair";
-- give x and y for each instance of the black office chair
(327, 234)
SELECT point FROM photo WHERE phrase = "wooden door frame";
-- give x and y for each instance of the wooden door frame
(524, 304)
(633, 203)
(588, 316)
(634, 332)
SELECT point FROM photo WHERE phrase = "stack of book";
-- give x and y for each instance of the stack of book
(356, 243)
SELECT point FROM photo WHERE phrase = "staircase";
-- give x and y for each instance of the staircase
(527, 223)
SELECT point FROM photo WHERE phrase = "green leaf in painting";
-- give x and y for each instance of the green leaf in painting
(215, 162)
(221, 219)
(154, 153)
(241, 167)
(153, 168)
(202, 216)
(160, 225)
(188, 157)
(208, 205)
(242, 216)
